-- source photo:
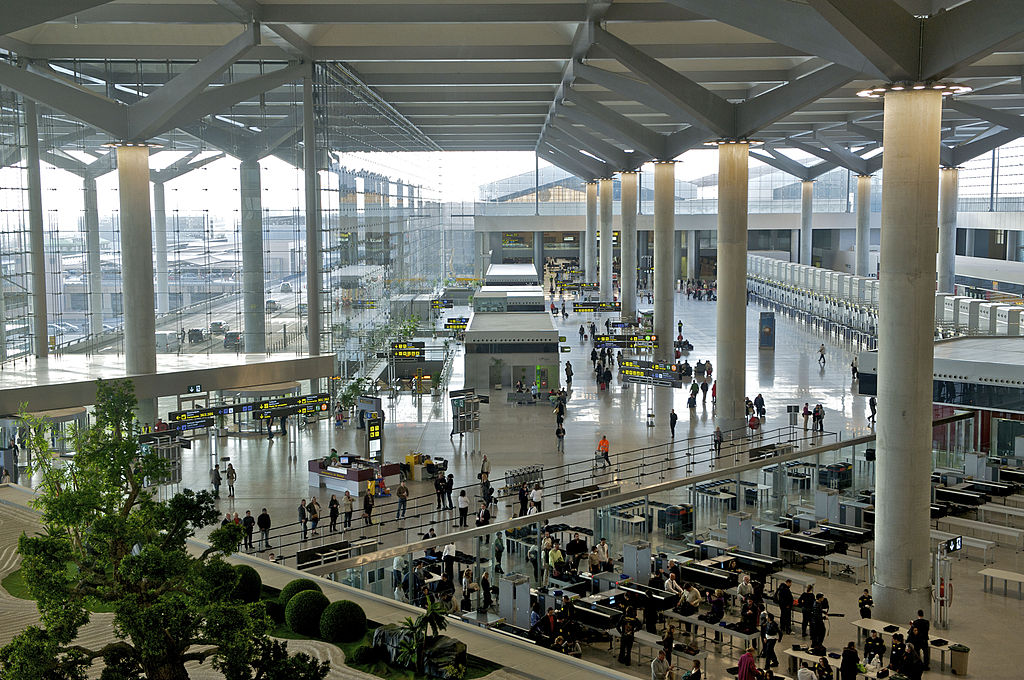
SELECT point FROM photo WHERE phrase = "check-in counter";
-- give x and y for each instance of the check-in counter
(353, 475)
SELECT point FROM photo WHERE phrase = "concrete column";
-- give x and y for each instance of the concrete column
(312, 183)
(806, 220)
(37, 244)
(677, 256)
(627, 246)
(92, 256)
(664, 230)
(253, 281)
(862, 241)
(692, 256)
(538, 254)
(969, 242)
(482, 252)
(160, 248)
(607, 238)
(590, 236)
(910, 188)
(137, 268)
(948, 187)
(732, 285)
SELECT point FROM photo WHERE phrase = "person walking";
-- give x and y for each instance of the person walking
(704, 392)
(748, 667)
(332, 511)
(602, 449)
(485, 467)
(772, 634)
(873, 407)
(248, 524)
(263, 523)
(714, 392)
(719, 437)
(821, 355)
(806, 414)
(303, 518)
(449, 486)
(368, 502)
(402, 493)
(524, 498)
(346, 507)
(759, 405)
(215, 480)
(853, 368)
(568, 373)
(439, 490)
(560, 438)
(806, 604)
(582, 332)
(537, 496)
(672, 420)
(232, 476)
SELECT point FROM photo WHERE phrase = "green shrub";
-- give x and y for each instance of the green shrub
(303, 611)
(366, 655)
(295, 587)
(274, 610)
(343, 621)
(248, 584)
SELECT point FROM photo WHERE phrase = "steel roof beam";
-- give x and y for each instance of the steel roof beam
(613, 124)
(21, 14)
(607, 151)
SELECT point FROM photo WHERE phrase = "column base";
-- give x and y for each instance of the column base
(900, 605)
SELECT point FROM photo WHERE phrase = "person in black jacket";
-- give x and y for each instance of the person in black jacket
(848, 664)
(865, 602)
(920, 641)
(806, 604)
(263, 522)
(784, 598)
(772, 634)
(874, 646)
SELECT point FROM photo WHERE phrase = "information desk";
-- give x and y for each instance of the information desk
(354, 478)
(864, 626)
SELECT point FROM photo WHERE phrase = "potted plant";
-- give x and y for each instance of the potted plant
(222, 425)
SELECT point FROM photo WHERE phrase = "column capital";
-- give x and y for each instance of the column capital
(942, 87)
(867, 175)
(630, 172)
(149, 145)
(949, 167)
(658, 161)
(734, 140)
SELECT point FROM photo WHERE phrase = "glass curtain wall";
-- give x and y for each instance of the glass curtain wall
(15, 328)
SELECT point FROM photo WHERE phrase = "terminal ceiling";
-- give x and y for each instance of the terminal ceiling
(624, 81)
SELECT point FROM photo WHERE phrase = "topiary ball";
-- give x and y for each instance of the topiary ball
(343, 621)
(295, 587)
(275, 611)
(248, 584)
(303, 612)
(366, 655)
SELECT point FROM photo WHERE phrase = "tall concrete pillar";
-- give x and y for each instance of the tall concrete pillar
(253, 281)
(732, 285)
(538, 254)
(862, 240)
(312, 182)
(589, 250)
(692, 256)
(948, 188)
(607, 238)
(664, 230)
(137, 267)
(677, 256)
(969, 242)
(94, 277)
(37, 244)
(910, 188)
(627, 246)
(806, 220)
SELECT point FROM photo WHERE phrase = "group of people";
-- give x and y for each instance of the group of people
(309, 513)
(701, 290)
(249, 524)
(815, 415)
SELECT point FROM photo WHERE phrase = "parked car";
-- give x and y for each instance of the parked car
(286, 287)
(196, 335)
(234, 340)
(218, 327)
(273, 306)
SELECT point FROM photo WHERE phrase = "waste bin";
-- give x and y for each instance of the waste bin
(958, 659)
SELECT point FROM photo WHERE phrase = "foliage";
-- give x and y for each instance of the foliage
(248, 584)
(343, 621)
(366, 655)
(348, 396)
(108, 540)
(303, 612)
(294, 588)
(433, 620)
(454, 671)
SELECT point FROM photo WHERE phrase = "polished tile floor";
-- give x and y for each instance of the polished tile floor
(273, 475)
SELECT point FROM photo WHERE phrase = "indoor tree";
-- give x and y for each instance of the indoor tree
(107, 541)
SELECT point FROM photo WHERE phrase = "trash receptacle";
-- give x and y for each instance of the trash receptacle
(958, 659)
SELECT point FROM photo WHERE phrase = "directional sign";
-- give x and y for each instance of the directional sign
(441, 304)
(373, 432)
(305, 403)
(596, 307)
(456, 323)
(194, 389)
(408, 351)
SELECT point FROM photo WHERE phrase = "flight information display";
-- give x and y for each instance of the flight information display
(596, 307)
(650, 373)
(456, 323)
(304, 403)
(408, 351)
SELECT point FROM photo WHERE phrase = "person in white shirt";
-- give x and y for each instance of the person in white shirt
(746, 588)
(532, 510)
(537, 496)
(602, 555)
(659, 666)
(672, 585)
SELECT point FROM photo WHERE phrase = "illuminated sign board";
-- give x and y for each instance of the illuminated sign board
(194, 389)
(650, 373)
(364, 304)
(456, 323)
(374, 426)
(596, 307)
(441, 304)
(306, 403)
(408, 351)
